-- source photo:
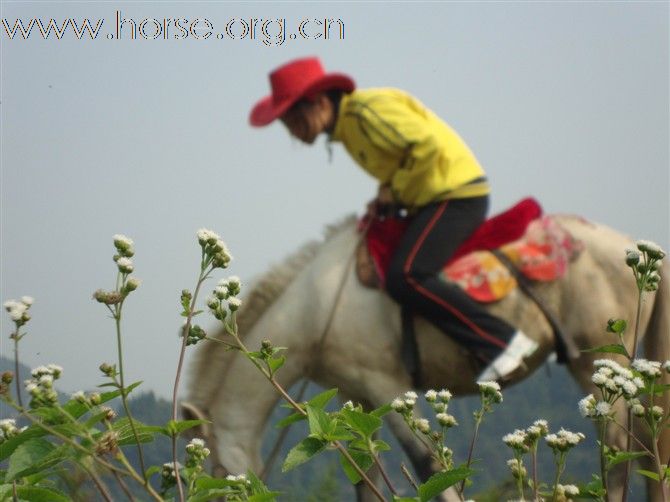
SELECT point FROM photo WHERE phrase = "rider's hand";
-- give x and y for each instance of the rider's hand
(384, 198)
(385, 195)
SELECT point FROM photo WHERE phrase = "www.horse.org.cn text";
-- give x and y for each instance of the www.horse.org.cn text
(269, 32)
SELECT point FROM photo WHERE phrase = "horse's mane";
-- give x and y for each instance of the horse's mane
(268, 288)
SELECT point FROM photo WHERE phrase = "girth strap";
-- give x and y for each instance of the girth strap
(409, 348)
(566, 350)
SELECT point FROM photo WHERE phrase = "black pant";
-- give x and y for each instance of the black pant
(432, 237)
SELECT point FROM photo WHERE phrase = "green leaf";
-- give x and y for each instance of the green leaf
(39, 494)
(614, 348)
(145, 433)
(363, 423)
(322, 399)
(176, 427)
(290, 419)
(624, 456)
(320, 424)
(649, 474)
(363, 460)
(379, 445)
(441, 481)
(405, 499)
(213, 494)
(257, 486)
(382, 410)
(616, 326)
(302, 452)
(13, 443)
(275, 363)
(33, 456)
(95, 419)
(264, 497)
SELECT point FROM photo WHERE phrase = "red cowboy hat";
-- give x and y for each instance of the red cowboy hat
(292, 81)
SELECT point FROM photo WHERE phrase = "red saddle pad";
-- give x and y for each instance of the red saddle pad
(383, 235)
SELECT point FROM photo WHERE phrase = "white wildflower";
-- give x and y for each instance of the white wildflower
(587, 406)
(636, 408)
(206, 236)
(666, 365)
(79, 396)
(349, 405)
(651, 369)
(516, 440)
(55, 370)
(571, 489)
(490, 389)
(40, 370)
(221, 292)
(603, 408)
(398, 404)
(651, 248)
(564, 440)
(431, 395)
(125, 265)
(27, 300)
(630, 388)
(411, 395)
(657, 412)
(599, 379)
(446, 420)
(234, 303)
(422, 425)
(200, 443)
(444, 395)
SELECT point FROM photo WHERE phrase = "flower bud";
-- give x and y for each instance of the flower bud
(95, 398)
(632, 257)
(422, 425)
(234, 303)
(7, 377)
(125, 265)
(131, 284)
(108, 369)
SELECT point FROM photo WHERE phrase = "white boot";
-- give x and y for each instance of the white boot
(519, 347)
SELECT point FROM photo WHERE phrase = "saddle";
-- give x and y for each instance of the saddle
(507, 251)
(519, 242)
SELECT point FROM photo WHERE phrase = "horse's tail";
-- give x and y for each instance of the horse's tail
(657, 346)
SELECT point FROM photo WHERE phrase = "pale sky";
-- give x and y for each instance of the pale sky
(565, 101)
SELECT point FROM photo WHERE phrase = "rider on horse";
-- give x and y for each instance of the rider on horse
(422, 165)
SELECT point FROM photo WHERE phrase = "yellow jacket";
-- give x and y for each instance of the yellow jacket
(401, 143)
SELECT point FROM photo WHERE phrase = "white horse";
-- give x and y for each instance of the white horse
(361, 353)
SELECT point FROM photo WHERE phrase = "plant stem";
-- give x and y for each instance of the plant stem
(659, 468)
(536, 495)
(560, 462)
(15, 495)
(471, 450)
(629, 426)
(409, 477)
(387, 480)
(123, 486)
(124, 399)
(300, 410)
(17, 377)
(129, 472)
(201, 278)
(603, 461)
(97, 482)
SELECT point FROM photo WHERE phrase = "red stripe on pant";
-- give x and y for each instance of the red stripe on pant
(431, 296)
